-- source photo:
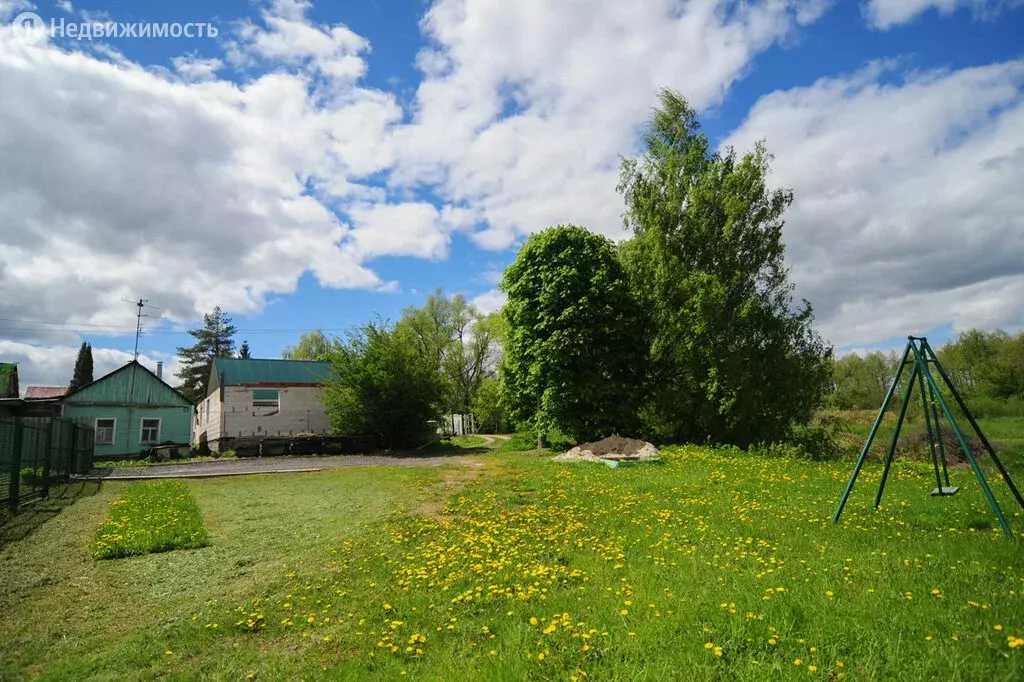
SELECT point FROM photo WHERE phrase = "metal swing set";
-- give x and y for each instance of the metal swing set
(919, 355)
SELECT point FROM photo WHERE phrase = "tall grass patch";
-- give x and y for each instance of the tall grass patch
(151, 517)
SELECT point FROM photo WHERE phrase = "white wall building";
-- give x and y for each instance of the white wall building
(252, 398)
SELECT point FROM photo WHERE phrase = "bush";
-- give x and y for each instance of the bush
(823, 440)
(526, 441)
(983, 406)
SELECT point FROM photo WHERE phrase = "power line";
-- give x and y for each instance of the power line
(164, 332)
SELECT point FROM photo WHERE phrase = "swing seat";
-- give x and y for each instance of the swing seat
(952, 490)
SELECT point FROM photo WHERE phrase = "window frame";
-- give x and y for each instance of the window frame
(142, 429)
(266, 402)
(113, 430)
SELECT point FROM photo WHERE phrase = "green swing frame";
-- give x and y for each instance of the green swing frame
(921, 357)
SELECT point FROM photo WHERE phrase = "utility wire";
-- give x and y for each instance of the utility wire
(164, 332)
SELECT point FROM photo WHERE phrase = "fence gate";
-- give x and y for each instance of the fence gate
(35, 453)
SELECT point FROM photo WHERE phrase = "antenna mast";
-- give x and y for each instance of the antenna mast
(138, 327)
(141, 303)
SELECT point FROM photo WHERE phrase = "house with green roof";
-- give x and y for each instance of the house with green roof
(257, 398)
(132, 409)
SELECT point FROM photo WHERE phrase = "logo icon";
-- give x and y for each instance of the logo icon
(27, 23)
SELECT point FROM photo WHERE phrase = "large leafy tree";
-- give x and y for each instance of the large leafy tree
(381, 384)
(733, 358)
(576, 349)
(460, 343)
(82, 374)
(312, 345)
(215, 339)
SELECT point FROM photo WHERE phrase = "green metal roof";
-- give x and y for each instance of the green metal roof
(240, 371)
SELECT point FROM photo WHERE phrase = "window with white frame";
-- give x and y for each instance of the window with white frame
(149, 431)
(105, 427)
(266, 397)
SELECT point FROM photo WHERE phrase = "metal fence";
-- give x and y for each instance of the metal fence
(38, 452)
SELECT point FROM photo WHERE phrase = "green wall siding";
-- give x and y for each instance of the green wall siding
(174, 425)
(150, 398)
(117, 386)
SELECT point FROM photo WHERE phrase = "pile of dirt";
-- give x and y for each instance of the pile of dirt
(612, 447)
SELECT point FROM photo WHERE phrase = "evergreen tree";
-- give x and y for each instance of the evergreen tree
(83, 368)
(243, 352)
(215, 339)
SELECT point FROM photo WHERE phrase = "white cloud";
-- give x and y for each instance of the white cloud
(196, 68)
(289, 37)
(410, 229)
(189, 194)
(526, 106)
(908, 201)
(54, 365)
(885, 14)
(10, 8)
(490, 301)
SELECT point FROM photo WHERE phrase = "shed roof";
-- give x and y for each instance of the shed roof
(43, 392)
(243, 371)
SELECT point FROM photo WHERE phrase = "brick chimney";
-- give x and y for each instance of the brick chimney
(160, 371)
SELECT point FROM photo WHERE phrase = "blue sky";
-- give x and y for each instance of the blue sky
(327, 162)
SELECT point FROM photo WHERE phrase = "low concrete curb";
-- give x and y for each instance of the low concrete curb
(149, 477)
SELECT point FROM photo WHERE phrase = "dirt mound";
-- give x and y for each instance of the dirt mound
(616, 445)
(612, 447)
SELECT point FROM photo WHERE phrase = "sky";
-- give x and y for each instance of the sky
(314, 165)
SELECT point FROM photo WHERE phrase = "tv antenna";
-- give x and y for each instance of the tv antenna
(140, 304)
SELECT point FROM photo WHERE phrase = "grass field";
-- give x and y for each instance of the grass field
(508, 566)
(151, 517)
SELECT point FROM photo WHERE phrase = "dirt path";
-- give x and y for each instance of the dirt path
(280, 465)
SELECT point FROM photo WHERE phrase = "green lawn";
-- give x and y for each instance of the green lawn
(158, 516)
(708, 566)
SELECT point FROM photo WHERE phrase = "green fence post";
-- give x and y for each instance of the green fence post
(46, 459)
(15, 486)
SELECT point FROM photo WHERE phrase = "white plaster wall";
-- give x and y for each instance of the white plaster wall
(207, 420)
(301, 411)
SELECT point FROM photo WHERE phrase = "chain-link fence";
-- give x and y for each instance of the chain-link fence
(38, 452)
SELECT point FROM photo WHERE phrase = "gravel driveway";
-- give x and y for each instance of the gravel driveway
(271, 465)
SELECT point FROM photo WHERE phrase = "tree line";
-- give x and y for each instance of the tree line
(986, 367)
